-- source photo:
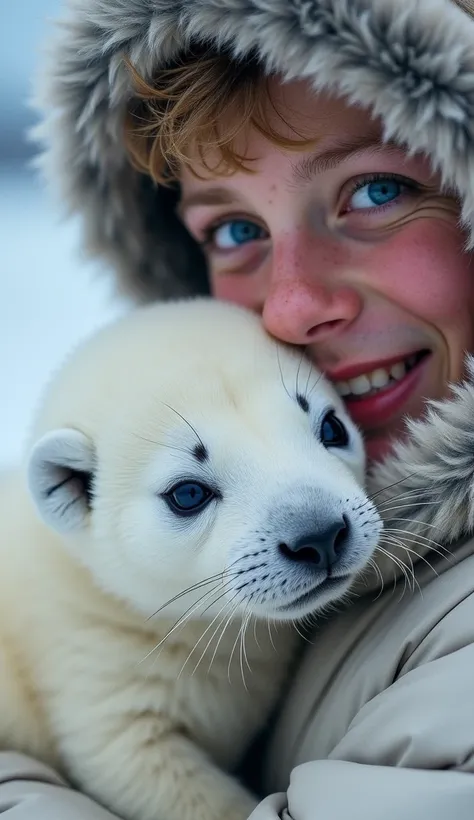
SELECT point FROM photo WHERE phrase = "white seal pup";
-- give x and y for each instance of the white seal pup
(189, 483)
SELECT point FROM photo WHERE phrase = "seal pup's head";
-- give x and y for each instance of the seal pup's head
(182, 448)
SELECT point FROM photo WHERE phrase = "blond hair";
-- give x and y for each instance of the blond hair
(203, 103)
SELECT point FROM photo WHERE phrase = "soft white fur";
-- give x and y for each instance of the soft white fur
(143, 697)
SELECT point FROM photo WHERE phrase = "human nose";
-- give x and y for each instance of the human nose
(310, 295)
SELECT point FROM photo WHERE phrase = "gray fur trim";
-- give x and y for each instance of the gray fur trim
(466, 5)
(410, 61)
(426, 488)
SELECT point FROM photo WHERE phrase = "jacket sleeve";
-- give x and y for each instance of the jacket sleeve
(31, 791)
(408, 753)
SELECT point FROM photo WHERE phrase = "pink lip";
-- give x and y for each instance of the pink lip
(381, 408)
(346, 373)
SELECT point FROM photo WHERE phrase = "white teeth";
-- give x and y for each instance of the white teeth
(343, 388)
(379, 378)
(360, 385)
(376, 379)
(397, 371)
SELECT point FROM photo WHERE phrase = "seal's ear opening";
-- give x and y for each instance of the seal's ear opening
(60, 475)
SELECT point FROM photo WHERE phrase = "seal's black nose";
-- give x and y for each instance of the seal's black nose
(321, 548)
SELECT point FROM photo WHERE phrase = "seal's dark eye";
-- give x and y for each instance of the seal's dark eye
(333, 433)
(188, 497)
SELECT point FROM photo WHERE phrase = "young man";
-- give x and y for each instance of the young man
(313, 160)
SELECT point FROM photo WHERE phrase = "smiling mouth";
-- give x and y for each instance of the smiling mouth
(329, 585)
(379, 380)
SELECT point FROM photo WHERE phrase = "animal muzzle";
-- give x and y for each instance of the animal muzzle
(305, 552)
(321, 548)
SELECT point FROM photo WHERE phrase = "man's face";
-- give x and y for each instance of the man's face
(347, 248)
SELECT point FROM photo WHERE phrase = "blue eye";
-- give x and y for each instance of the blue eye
(333, 433)
(188, 497)
(236, 232)
(376, 193)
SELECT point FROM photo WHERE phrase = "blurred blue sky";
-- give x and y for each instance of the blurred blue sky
(50, 297)
(23, 27)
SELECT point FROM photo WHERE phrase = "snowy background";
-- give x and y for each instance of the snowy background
(49, 297)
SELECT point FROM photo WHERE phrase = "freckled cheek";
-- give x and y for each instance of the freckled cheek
(425, 271)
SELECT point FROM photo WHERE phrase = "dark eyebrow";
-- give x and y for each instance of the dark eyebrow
(207, 196)
(200, 453)
(318, 163)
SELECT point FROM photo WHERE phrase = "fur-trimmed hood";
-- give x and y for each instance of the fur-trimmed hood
(425, 490)
(410, 61)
